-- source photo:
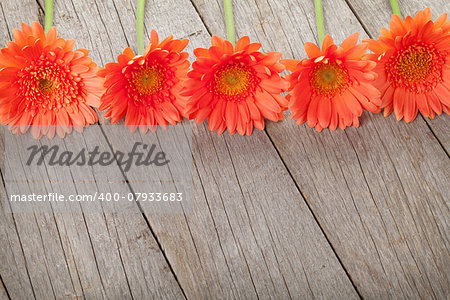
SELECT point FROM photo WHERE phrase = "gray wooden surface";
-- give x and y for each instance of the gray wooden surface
(284, 213)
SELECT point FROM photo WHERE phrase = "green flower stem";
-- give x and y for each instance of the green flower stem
(395, 8)
(228, 7)
(140, 26)
(48, 15)
(319, 21)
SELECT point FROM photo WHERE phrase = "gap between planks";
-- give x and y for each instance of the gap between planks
(4, 291)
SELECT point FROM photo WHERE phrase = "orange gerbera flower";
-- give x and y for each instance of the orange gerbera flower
(332, 86)
(46, 85)
(146, 88)
(413, 64)
(235, 88)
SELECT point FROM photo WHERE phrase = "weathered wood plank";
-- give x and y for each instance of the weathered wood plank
(3, 292)
(99, 249)
(232, 230)
(29, 229)
(379, 192)
(219, 257)
(238, 237)
(94, 251)
(45, 261)
(90, 255)
(13, 267)
(377, 14)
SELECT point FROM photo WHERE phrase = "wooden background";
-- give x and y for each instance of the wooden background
(285, 213)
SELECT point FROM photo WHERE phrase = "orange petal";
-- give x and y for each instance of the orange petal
(312, 50)
(324, 112)
(154, 39)
(327, 42)
(242, 43)
(399, 100)
(350, 41)
(312, 111)
(290, 64)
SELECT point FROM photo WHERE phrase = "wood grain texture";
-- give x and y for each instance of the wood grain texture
(13, 268)
(376, 14)
(77, 254)
(3, 292)
(235, 255)
(379, 193)
(80, 251)
(380, 196)
(12, 262)
(231, 240)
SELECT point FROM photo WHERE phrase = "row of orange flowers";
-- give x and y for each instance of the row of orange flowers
(44, 82)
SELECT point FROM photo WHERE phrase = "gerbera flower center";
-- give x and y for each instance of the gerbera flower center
(232, 80)
(414, 64)
(149, 80)
(48, 85)
(329, 78)
(418, 67)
